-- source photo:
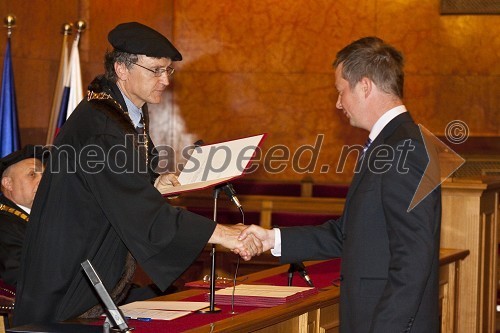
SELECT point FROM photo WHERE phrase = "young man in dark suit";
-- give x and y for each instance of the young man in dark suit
(390, 252)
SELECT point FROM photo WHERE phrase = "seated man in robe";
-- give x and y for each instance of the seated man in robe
(20, 174)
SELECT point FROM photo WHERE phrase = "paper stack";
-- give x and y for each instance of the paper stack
(163, 310)
(261, 295)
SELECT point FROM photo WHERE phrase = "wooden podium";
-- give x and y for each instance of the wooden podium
(470, 221)
(317, 313)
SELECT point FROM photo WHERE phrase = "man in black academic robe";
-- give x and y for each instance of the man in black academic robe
(20, 174)
(96, 200)
(12, 230)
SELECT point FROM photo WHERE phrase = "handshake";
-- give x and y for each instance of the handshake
(246, 241)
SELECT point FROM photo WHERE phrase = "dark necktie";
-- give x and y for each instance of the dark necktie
(140, 126)
(365, 148)
(367, 144)
(142, 140)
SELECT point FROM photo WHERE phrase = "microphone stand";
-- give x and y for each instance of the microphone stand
(300, 268)
(291, 270)
(212, 308)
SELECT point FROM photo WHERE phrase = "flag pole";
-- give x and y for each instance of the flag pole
(56, 102)
(80, 27)
(75, 75)
(9, 127)
(9, 22)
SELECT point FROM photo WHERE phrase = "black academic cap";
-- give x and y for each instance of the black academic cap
(136, 38)
(28, 151)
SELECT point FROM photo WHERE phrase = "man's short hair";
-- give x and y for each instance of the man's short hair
(120, 57)
(371, 57)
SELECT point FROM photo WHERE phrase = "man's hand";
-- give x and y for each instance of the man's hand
(227, 236)
(165, 182)
(266, 236)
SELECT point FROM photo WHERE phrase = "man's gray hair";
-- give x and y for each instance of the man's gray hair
(110, 58)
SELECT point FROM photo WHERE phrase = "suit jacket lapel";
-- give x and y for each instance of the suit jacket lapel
(379, 140)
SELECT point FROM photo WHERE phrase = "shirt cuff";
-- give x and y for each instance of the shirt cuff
(276, 251)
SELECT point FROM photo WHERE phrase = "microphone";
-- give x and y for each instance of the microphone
(291, 269)
(299, 267)
(229, 190)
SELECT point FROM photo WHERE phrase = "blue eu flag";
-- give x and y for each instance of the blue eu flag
(9, 128)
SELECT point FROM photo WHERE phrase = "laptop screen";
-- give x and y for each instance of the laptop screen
(114, 313)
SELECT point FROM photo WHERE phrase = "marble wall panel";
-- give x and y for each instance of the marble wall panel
(266, 66)
(436, 100)
(29, 110)
(261, 61)
(294, 109)
(105, 15)
(440, 44)
(267, 36)
(38, 27)
(35, 50)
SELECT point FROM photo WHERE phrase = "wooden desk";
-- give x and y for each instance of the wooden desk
(319, 313)
(264, 204)
(470, 221)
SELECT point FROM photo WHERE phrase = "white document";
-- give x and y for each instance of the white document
(166, 305)
(215, 164)
(161, 310)
(146, 314)
(262, 290)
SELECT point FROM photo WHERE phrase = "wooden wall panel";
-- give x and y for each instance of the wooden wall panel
(451, 62)
(266, 66)
(35, 49)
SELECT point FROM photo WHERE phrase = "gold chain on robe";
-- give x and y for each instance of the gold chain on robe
(143, 141)
(15, 212)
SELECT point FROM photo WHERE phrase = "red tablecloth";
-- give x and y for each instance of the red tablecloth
(322, 274)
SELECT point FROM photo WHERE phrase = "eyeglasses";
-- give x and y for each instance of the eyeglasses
(159, 71)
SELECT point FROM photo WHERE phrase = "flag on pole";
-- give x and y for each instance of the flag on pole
(9, 128)
(72, 92)
(58, 92)
(76, 91)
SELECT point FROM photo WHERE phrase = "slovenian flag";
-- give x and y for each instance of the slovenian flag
(72, 92)
(9, 127)
(58, 92)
